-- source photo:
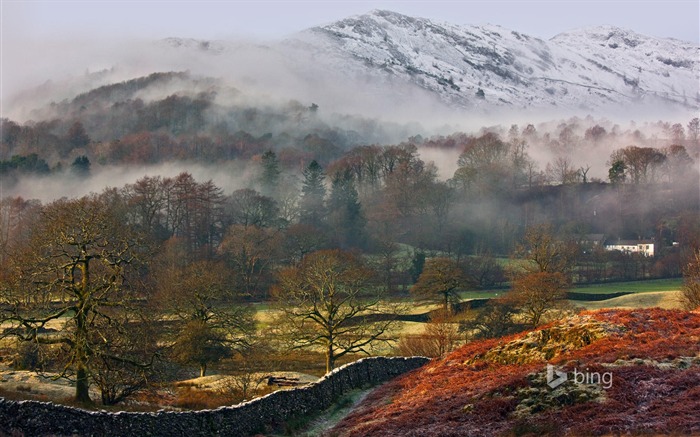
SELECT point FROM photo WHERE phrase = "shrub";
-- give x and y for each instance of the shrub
(439, 337)
(690, 296)
(495, 319)
(195, 399)
(27, 357)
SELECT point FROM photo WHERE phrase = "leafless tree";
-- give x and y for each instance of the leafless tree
(441, 280)
(329, 301)
(80, 269)
(212, 320)
(691, 288)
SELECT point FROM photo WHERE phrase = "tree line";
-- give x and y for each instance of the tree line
(101, 297)
(164, 269)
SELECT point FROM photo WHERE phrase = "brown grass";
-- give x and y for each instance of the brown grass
(466, 394)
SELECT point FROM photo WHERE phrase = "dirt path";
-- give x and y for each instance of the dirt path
(330, 417)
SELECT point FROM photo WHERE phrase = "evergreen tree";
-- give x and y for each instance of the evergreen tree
(312, 208)
(417, 264)
(81, 166)
(345, 212)
(269, 180)
(616, 173)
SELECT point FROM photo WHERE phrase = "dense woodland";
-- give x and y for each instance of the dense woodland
(322, 199)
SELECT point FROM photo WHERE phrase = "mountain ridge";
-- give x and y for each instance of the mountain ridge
(514, 69)
(383, 63)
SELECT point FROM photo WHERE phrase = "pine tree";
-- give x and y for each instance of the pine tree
(345, 211)
(616, 173)
(312, 208)
(269, 180)
(81, 166)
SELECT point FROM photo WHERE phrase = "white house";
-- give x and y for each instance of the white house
(645, 247)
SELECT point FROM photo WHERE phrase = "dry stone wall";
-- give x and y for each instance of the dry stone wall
(32, 418)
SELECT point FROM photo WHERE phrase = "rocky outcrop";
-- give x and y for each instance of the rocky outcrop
(549, 342)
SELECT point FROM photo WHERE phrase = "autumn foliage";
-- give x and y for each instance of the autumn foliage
(653, 355)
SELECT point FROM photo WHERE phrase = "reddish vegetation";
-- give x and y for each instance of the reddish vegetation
(463, 394)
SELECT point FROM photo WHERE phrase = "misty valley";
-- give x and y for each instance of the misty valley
(178, 241)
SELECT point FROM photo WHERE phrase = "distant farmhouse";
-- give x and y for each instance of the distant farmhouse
(643, 247)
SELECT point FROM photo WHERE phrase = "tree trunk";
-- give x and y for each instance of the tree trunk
(330, 358)
(82, 386)
(202, 369)
(536, 315)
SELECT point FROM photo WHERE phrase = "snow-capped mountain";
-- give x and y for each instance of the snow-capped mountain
(386, 63)
(487, 66)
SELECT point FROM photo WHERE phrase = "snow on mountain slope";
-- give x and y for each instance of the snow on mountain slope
(390, 65)
(487, 66)
(668, 68)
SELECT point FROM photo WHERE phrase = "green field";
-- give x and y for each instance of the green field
(632, 287)
(661, 299)
(465, 295)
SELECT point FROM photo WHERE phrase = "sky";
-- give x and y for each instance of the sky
(224, 19)
(35, 35)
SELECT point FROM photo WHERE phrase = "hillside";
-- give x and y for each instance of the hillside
(583, 69)
(385, 64)
(647, 362)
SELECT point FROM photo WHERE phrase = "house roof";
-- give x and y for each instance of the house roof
(628, 242)
(593, 238)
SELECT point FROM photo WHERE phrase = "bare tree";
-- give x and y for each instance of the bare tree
(79, 270)
(213, 321)
(328, 301)
(542, 281)
(16, 221)
(563, 171)
(441, 280)
(694, 131)
(678, 165)
(247, 207)
(536, 293)
(691, 288)
(250, 252)
(545, 252)
(583, 173)
(484, 165)
(439, 337)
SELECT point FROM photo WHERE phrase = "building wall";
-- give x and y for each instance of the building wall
(647, 249)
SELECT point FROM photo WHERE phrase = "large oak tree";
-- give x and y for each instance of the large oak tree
(79, 272)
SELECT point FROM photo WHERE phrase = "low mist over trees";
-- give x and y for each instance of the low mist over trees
(324, 221)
